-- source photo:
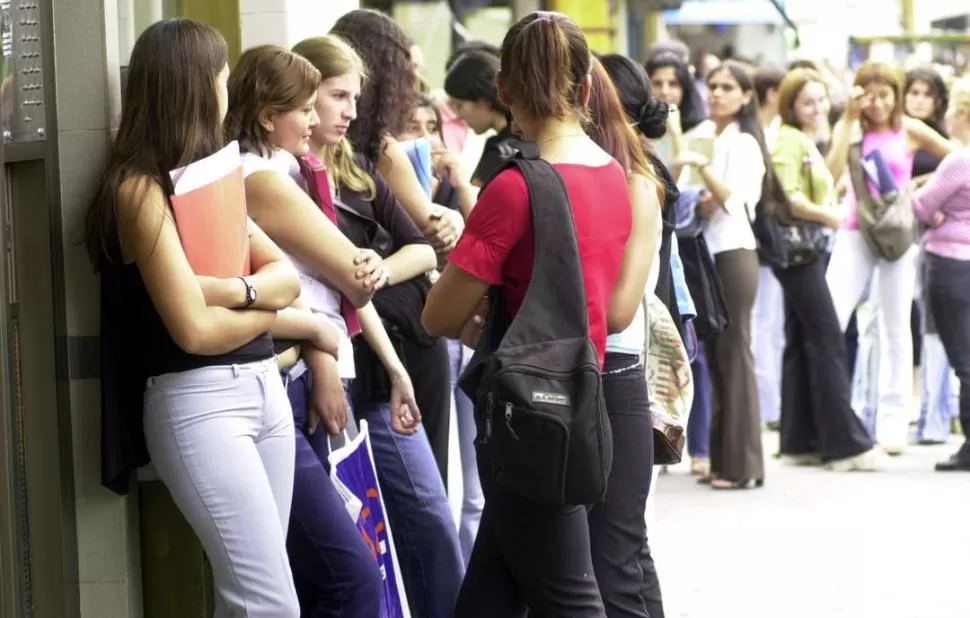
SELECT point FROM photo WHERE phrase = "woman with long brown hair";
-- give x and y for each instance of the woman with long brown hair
(617, 527)
(529, 555)
(191, 356)
(874, 119)
(424, 528)
(386, 103)
(272, 113)
(817, 421)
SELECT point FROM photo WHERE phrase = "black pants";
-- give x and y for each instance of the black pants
(622, 562)
(529, 560)
(430, 372)
(816, 395)
(949, 296)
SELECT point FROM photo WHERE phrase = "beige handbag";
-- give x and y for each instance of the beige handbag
(670, 383)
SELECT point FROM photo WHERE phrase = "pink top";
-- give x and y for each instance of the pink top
(454, 130)
(895, 150)
(948, 192)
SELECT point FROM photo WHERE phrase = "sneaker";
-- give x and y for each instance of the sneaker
(872, 460)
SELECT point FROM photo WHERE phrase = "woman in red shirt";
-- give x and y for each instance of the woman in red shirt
(526, 555)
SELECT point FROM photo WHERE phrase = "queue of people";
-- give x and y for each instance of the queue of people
(379, 277)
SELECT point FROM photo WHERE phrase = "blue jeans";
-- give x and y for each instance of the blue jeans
(940, 401)
(335, 573)
(699, 421)
(424, 530)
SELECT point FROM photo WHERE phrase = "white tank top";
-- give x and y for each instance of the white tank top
(321, 297)
(632, 339)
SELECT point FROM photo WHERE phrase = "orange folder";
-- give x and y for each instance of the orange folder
(210, 213)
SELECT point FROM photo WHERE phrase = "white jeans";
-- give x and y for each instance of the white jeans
(473, 501)
(850, 269)
(768, 343)
(221, 439)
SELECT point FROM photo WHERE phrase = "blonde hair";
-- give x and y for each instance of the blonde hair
(333, 57)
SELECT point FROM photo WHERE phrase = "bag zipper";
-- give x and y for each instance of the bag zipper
(508, 421)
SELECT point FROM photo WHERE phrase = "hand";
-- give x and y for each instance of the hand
(706, 206)
(327, 337)
(472, 330)
(937, 219)
(446, 163)
(444, 229)
(692, 159)
(328, 401)
(370, 271)
(858, 99)
(405, 416)
(673, 120)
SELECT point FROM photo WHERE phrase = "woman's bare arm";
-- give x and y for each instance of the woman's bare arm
(288, 215)
(150, 239)
(637, 256)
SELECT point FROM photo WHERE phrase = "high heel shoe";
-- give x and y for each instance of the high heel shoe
(724, 484)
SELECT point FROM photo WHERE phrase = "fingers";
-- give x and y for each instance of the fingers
(313, 420)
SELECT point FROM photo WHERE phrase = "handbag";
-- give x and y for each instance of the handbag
(670, 382)
(704, 285)
(354, 476)
(887, 223)
(783, 241)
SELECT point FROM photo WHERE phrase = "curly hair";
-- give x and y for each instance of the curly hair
(389, 97)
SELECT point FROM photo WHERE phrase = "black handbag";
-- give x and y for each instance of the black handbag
(704, 285)
(783, 241)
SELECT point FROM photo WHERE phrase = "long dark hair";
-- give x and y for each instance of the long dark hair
(772, 193)
(941, 94)
(646, 111)
(388, 97)
(170, 117)
(610, 128)
(691, 106)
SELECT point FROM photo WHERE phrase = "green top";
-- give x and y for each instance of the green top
(800, 168)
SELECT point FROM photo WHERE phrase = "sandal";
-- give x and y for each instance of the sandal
(700, 466)
(724, 484)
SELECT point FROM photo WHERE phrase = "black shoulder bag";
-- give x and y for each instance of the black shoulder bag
(543, 432)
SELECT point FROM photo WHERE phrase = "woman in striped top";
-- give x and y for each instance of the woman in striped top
(944, 203)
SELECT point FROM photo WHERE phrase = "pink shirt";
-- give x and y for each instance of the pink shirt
(948, 191)
(895, 150)
(454, 130)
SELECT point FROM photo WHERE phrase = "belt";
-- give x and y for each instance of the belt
(293, 373)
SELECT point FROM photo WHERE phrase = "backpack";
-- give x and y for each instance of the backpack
(535, 381)
(887, 222)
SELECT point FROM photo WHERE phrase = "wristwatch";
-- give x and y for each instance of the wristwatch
(250, 293)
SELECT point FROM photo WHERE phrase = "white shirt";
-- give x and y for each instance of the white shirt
(322, 298)
(740, 165)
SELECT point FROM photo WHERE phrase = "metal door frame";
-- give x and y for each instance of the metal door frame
(55, 568)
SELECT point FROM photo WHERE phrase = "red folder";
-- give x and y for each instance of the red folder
(210, 213)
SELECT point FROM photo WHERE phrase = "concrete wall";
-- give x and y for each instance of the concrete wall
(86, 59)
(287, 22)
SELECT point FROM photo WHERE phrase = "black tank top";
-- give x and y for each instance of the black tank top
(127, 305)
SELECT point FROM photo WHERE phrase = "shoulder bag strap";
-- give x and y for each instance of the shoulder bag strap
(555, 302)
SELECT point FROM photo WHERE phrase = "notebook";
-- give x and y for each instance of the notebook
(209, 202)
